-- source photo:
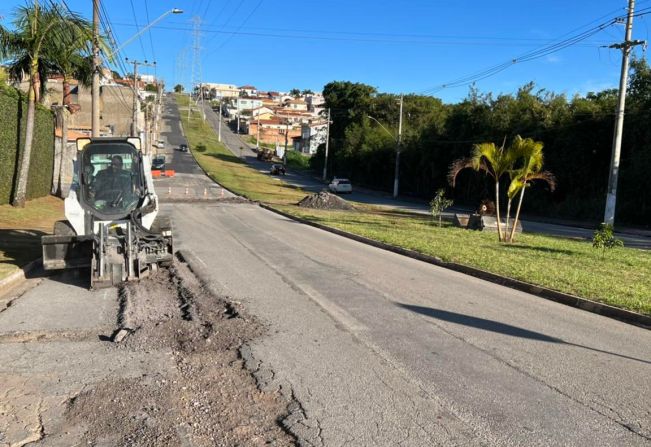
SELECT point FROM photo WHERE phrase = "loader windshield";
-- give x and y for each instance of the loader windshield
(112, 181)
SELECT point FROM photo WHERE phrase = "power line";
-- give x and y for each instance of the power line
(462, 40)
(239, 5)
(246, 19)
(135, 20)
(526, 57)
(151, 41)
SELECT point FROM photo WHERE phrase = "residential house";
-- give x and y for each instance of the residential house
(248, 90)
(274, 131)
(263, 113)
(247, 103)
(315, 102)
(220, 91)
(312, 135)
(296, 104)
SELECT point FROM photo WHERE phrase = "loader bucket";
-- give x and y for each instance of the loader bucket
(66, 252)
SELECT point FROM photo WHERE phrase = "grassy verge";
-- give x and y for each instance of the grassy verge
(620, 279)
(229, 170)
(21, 230)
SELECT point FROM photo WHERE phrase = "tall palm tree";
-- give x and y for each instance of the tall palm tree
(29, 48)
(493, 160)
(529, 155)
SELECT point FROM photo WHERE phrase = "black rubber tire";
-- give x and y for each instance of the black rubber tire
(63, 228)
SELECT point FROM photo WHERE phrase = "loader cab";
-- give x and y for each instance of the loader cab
(112, 181)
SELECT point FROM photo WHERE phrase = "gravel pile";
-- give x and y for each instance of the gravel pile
(325, 201)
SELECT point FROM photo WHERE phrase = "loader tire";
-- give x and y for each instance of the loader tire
(63, 228)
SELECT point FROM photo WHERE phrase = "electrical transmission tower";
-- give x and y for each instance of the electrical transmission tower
(196, 62)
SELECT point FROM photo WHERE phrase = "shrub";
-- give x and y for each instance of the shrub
(604, 238)
(12, 135)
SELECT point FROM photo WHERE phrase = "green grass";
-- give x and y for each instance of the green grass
(21, 230)
(229, 170)
(620, 279)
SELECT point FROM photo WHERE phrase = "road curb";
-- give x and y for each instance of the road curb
(19, 275)
(542, 292)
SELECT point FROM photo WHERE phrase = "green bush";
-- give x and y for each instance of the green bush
(13, 105)
(297, 160)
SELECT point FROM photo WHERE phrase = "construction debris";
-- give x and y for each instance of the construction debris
(325, 201)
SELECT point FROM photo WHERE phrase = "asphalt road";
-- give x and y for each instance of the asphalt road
(380, 349)
(640, 239)
(188, 182)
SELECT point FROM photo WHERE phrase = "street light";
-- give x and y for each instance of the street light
(135, 36)
(396, 175)
(96, 59)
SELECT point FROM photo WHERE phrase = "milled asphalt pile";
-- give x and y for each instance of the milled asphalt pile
(325, 201)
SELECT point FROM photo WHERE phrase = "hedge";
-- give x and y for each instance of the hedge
(13, 113)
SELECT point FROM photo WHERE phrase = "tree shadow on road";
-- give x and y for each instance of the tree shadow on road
(500, 328)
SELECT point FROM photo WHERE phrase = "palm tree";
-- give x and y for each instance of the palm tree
(29, 47)
(493, 160)
(68, 59)
(530, 153)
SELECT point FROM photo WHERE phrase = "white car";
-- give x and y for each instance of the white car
(340, 186)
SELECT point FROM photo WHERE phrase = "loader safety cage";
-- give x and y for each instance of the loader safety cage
(112, 182)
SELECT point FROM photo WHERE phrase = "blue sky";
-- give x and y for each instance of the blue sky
(397, 46)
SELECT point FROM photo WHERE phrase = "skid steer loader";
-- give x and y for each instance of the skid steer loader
(112, 224)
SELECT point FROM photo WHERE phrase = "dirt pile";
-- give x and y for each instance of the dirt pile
(325, 201)
(206, 397)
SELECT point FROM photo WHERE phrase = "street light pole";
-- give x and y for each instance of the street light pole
(96, 67)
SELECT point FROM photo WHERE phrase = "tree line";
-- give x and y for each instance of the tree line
(576, 132)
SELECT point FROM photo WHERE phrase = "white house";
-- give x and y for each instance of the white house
(312, 136)
(246, 103)
(222, 90)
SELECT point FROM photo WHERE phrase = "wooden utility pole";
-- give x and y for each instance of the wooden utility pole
(96, 68)
(611, 197)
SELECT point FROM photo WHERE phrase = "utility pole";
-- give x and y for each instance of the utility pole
(396, 177)
(238, 115)
(325, 162)
(611, 197)
(257, 139)
(286, 138)
(219, 133)
(96, 68)
(134, 119)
